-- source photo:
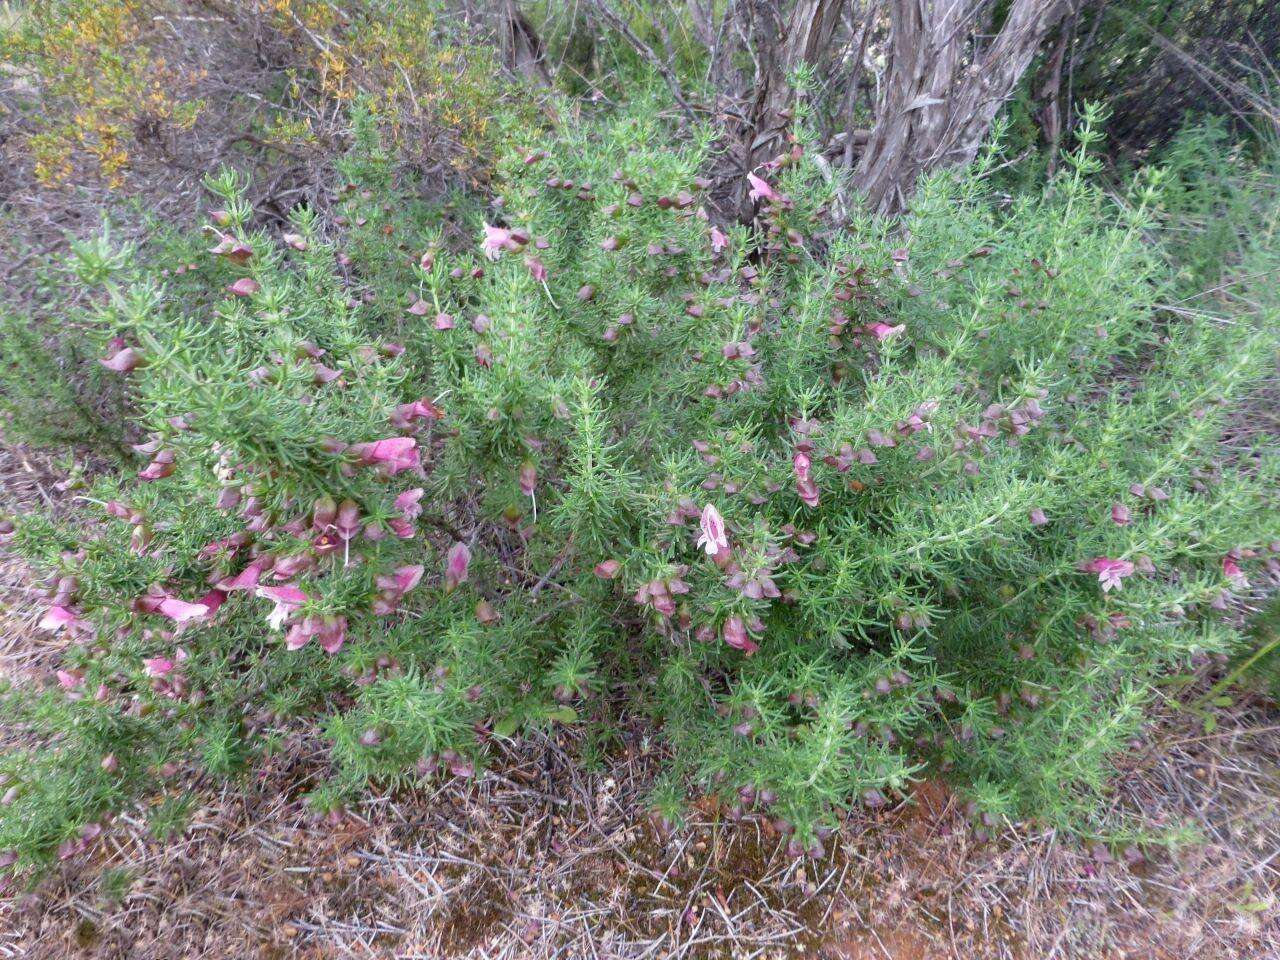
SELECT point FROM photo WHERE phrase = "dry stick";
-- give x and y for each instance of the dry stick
(646, 51)
(1209, 77)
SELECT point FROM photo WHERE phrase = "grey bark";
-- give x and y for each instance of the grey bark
(941, 90)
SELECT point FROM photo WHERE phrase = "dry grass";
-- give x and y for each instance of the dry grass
(543, 860)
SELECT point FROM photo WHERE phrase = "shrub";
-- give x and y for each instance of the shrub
(829, 503)
(102, 86)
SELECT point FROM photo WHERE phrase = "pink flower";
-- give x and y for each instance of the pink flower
(661, 594)
(287, 598)
(882, 331)
(392, 454)
(1232, 570)
(528, 478)
(161, 466)
(408, 505)
(244, 287)
(608, 569)
(59, 617)
(805, 487)
(1120, 514)
(444, 321)
(410, 509)
(179, 611)
(158, 666)
(347, 522)
(713, 538)
(736, 636)
(122, 361)
(760, 189)
(457, 566)
(70, 679)
(537, 268)
(719, 240)
(1038, 517)
(406, 578)
(234, 250)
(406, 413)
(393, 587)
(1110, 572)
(247, 578)
(330, 631)
(496, 239)
(211, 601)
(333, 634)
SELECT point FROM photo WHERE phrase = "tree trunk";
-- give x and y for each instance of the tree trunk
(940, 92)
(805, 37)
(521, 46)
(780, 45)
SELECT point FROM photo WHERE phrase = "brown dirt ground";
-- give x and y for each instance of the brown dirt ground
(543, 859)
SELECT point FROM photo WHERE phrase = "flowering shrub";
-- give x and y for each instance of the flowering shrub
(828, 503)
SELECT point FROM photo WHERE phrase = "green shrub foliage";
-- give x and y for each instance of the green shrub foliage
(831, 502)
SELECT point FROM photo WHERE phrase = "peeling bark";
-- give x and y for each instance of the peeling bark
(940, 92)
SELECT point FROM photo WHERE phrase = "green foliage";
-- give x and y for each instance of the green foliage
(917, 433)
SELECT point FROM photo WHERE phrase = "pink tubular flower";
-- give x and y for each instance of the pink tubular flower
(394, 586)
(1232, 569)
(211, 601)
(1110, 572)
(405, 414)
(179, 611)
(58, 618)
(330, 631)
(406, 578)
(736, 636)
(409, 507)
(719, 240)
(234, 250)
(457, 566)
(528, 478)
(805, 487)
(333, 634)
(244, 287)
(158, 667)
(713, 538)
(162, 465)
(537, 268)
(123, 361)
(246, 579)
(608, 569)
(70, 679)
(496, 240)
(760, 189)
(661, 594)
(392, 454)
(287, 598)
(882, 331)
